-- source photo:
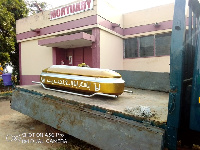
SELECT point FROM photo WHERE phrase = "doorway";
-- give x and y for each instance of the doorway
(74, 56)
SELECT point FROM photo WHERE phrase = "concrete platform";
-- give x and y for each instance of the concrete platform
(101, 121)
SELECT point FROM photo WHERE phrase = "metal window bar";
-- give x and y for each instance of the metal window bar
(154, 44)
(138, 39)
(124, 56)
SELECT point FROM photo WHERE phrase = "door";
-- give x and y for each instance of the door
(78, 56)
(73, 57)
(88, 56)
(60, 56)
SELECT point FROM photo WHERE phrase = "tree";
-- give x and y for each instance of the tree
(6, 34)
(35, 7)
(10, 11)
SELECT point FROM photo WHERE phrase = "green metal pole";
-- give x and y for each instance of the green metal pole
(176, 73)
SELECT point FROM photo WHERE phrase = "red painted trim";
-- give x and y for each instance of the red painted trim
(70, 37)
(109, 25)
(148, 28)
(27, 79)
(91, 20)
(96, 48)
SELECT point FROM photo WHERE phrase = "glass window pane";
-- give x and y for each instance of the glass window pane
(131, 48)
(147, 46)
(163, 42)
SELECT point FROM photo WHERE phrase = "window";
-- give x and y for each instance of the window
(147, 46)
(153, 45)
(163, 42)
(131, 48)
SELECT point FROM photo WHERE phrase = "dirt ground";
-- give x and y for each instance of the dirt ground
(21, 132)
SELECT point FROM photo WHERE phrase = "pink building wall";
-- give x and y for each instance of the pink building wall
(107, 26)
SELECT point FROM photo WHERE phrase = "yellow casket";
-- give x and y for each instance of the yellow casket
(90, 80)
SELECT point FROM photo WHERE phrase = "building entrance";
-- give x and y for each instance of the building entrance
(74, 56)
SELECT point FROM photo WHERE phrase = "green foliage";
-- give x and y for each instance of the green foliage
(7, 32)
(4, 57)
(35, 7)
(16, 7)
(10, 11)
